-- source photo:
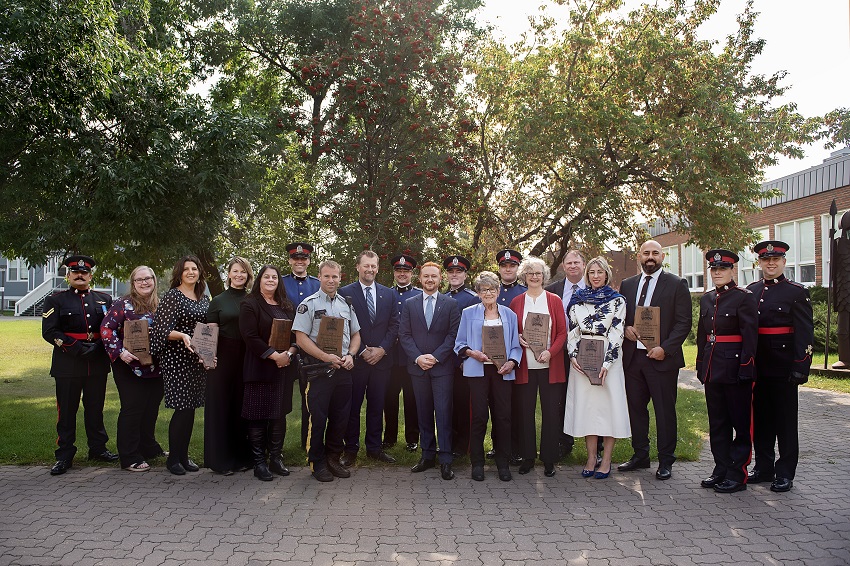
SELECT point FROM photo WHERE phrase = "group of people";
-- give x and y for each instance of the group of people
(459, 359)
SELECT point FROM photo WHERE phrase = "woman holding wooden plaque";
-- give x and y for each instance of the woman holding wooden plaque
(182, 307)
(125, 335)
(596, 394)
(542, 334)
(265, 321)
(226, 447)
(488, 343)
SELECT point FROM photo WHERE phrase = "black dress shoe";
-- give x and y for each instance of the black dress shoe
(526, 466)
(348, 458)
(505, 474)
(323, 475)
(781, 485)
(730, 486)
(60, 467)
(711, 481)
(337, 469)
(190, 466)
(634, 463)
(412, 446)
(446, 472)
(422, 465)
(663, 473)
(491, 454)
(549, 470)
(176, 468)
(478, 473)
(105, 456)
(516, 460)
(381, 457)
(756, 476)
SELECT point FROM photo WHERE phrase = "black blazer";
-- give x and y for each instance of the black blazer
(439, 340)
(557, 287)
(384, 331)
(672, 295)
(255, 325)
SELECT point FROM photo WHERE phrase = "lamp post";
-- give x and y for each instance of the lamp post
(2, 289)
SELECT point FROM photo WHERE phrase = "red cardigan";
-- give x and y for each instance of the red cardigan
(557, 373)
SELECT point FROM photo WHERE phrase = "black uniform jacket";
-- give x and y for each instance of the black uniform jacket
(255, 325)
(727, 335)
(71, 323)
(786, 330)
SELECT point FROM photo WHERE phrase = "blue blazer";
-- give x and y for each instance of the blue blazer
(469, 338)
(384, 331)
(439, 340)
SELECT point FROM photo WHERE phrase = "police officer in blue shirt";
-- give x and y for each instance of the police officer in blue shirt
(403, 266)
(456, 267)
(299, 286)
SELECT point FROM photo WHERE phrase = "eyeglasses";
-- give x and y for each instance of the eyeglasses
(143, 279)
(534, 274)
(487, 291)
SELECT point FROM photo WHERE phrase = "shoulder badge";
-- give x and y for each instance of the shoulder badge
(302, 308)
(47, 314)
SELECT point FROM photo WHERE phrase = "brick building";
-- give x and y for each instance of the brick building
(798, 216)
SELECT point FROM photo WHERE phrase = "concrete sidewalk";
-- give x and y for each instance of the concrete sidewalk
(389, 516)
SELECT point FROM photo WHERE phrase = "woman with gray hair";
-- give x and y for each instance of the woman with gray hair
(489, 381)
(597, 313)
(544, 371)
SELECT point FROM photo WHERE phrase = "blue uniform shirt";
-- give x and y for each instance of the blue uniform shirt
(298, 288)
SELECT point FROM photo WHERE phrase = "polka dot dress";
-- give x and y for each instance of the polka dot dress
(184, 377)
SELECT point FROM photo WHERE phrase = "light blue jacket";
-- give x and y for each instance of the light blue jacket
(469, 337)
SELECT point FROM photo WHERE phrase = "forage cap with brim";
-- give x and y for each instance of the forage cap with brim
(457, 262)
(721, 258)
(299, 250)
(770, 248)
(79, 263)
(511, 256)
(404, 261)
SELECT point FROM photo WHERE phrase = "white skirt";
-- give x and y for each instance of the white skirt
(597, 410)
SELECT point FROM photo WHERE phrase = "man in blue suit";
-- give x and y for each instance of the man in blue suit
(427, 332)
(374, 305)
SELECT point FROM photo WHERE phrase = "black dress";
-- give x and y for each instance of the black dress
(183, 376)
(265, 398)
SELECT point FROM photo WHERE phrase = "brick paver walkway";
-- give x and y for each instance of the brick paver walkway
(388, 516)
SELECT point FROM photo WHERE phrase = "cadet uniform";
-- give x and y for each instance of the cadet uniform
(297, 289)
(399, 378)
(507, 293)
(71, 323)
(328, 397)
(461, 416)
(783, 358)
(727, 336)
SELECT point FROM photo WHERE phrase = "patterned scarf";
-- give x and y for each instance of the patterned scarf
(593, 296)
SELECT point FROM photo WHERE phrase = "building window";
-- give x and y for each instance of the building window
(800, 259)
(748, 265)
(671, 259)
(18, 271)
(692, 268)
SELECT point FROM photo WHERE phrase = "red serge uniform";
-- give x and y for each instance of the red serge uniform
(71, 323)
(727, 336)
(786, 335)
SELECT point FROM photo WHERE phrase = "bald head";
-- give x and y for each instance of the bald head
(651, 257)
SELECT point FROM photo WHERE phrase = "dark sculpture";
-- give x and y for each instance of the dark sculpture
(841, 290)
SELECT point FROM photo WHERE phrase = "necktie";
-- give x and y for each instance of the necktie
(643, 291)
(429, 310)
(370, 304)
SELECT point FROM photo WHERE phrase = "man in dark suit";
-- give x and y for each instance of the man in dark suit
(653, 374)
(375, 309)
(573, 264)
(427, 332)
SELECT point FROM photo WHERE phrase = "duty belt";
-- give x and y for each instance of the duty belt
(777, 330)
(88, 337)
(725, 338)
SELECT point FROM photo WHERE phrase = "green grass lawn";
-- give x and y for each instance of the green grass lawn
(28, 411)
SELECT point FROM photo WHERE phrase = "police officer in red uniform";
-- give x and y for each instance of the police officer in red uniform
(783, 358)
(727, 336)
(71, 323)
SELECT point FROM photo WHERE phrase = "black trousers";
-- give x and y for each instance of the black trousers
(329, 402)
(305, 413)
(645, 383)
(226, 444)
(461, 413)
(140, 400)
(730, 413)
(566, 440)
(775, 422)
(69, 390)
(179, 435)
(400, 384)
(552, 397)
(485, 392)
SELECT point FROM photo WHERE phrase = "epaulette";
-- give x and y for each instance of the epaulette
(795, 283)
(742, 289)
(470, 291)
